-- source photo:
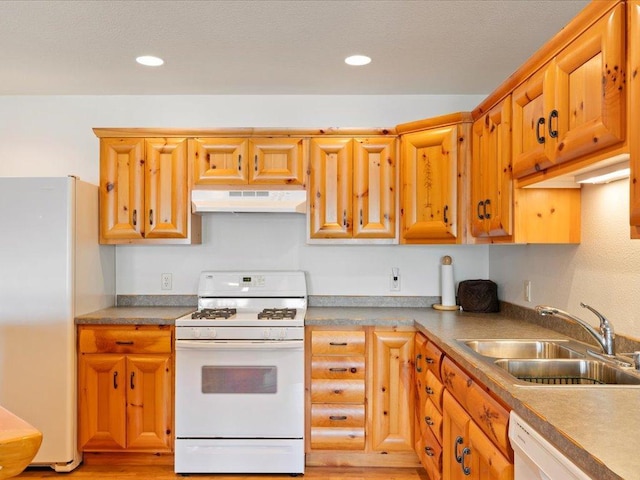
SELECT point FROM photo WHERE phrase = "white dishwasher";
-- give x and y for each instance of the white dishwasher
(535, 458)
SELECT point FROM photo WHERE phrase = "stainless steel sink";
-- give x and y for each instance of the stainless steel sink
(567, 372)
(503, 348)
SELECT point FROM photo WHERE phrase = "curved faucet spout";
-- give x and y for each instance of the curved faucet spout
(604, 338)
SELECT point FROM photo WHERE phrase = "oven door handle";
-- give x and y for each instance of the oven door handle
(239, 345)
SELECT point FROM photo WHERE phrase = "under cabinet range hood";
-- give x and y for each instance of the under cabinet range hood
(239, 201)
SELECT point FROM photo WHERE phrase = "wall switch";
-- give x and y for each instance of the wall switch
(166, 281)
(394, 280)
(527, 290)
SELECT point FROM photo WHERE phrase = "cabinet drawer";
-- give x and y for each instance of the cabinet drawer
(337, 438)
(455, 380)
(145, 339)
(490, 416)
(433, 389)
(337, 367)
(337, 342)
(433, 358)
(433, 420)
(337, 416)
(337, 391)
(432, 451)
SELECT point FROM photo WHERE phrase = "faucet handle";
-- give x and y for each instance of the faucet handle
(636, 360)
(604, 323)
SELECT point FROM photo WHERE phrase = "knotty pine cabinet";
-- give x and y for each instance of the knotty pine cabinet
(352, 191)
(574, 106)
(125, 385)
(432, 180)
(633, 114)
(249, 161)
(144, 192)
(360, 395)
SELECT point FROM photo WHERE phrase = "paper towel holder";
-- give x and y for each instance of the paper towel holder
(447, 263)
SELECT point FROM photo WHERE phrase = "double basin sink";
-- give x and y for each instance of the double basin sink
(554, 362)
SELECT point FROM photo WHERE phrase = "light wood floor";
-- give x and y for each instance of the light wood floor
(106, 472)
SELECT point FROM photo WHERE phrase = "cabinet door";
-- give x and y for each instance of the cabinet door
(219, 161)
(532, 148)
(491, 182)
(590, 93)
(149, 418)
(121, 188)
(101, 403)
(393, 396)
(634, 116)
(166, 188)
(487, 463)
(455, 438)
(278, 161)
(374, 190)
(330, 188)
(429, 186)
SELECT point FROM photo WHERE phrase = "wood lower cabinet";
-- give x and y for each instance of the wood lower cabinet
(125, 379)
(360, 395)
(144, 192)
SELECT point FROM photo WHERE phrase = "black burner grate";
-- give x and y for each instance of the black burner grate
(211, 313)
(277, 313)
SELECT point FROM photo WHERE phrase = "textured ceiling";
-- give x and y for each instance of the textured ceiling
(271, 46)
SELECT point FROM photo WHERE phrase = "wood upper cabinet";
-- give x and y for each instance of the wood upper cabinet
(144, 191)
(352, 188)
(429, 186)
(125, 389)
(491, 209)
(242, 161)
(633, 29)
(574, 106)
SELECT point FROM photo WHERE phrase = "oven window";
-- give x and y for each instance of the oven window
(239, 379)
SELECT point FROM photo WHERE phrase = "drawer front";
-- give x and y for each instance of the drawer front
(337, 391)
(433, 390)
(142, 339)
(433, 358)
(433, 420)
(432, 450)
(337, 416)
(337, 367)
(455, 380)
(337, 438)
(337, 342)
(491, 417)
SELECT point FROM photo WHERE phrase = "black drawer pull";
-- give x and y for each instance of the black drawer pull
(336, 369)
(430, 360)
(338, 344)
(429, 451)
(429, 390)
(337, 417)
(115, 380)
(124, 342)
(428, 421)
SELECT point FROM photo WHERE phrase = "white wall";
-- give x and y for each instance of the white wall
(51, 135)
(603, 271)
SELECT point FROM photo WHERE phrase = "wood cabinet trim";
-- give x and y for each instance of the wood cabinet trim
(248, 132)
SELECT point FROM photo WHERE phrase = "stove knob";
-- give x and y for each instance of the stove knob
(283, 334)
(266, 333)
(211, 333)
(196, 333)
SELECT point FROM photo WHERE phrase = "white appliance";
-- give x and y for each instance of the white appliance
(239, 381)
(267, 201)
(51, 270)
(535, 458)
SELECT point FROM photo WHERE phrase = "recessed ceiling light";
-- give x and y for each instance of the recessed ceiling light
(149, 61)
(357, 60)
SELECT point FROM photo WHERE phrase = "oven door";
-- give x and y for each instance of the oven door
(239, 389)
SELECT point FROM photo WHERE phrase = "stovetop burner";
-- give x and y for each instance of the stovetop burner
(277, 313)
(211, 313)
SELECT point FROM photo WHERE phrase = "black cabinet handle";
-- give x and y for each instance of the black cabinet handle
(131, 380)
(466, 470)
(487, 214)
(360, 217)
(255, 163)
(338, 344)
(418, 367)
(553, 133)
(429, 390)
(430, 361)
(124, 342)
(115, 380)
(480, 215)
(540, 122)
(455, 449)
(240, 162)
(135, 217)
(344, 218)
(429, 451)
(446, 209)
(337, 417)
(335, 369)
(151, 216)
(428, 421)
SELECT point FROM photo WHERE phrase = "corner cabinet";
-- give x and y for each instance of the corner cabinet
(360, 395)
(352, 188)
(125, 378)
(574, 106)
(144, 192)
(432, 184)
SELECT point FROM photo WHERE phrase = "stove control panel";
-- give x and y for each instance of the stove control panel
(239, 333)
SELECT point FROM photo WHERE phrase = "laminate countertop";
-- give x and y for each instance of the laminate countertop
(594, 426)
(134, 316)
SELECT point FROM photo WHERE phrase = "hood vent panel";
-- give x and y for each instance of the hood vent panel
(268, 201)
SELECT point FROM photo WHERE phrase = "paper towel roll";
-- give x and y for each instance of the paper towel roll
(446, 289)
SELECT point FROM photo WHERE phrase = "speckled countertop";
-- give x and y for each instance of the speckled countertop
(593, 426)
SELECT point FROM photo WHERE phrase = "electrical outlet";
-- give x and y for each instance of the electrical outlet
(166, 281)
(394, 280)
(527, 290)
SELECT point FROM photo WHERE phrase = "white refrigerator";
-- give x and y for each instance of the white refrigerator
(51, 270)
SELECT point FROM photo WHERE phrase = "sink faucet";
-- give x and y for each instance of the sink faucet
(604, 337)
